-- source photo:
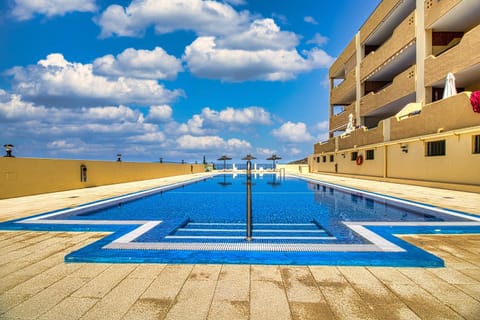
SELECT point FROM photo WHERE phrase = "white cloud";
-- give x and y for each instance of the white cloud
(202, 17)
(56, 81)
(309, 19)
(12, 107)
(265, 152)
(189, 142)
(262, 34)
(110, 113)
(193, 126)
(26, 9)
(231, 116)
(292, 132)
(162, 113)
(143, 64)
(318, 40)
(323, 125)
(150, 137)
(293, 151)
(205, 60)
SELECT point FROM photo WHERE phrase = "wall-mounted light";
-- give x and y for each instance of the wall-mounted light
(404, 148)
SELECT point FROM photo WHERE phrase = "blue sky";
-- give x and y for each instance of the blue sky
(177, 79)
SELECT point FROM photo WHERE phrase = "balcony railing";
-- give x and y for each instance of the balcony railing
(339, 64)
(403, 84)
(361, 137)
(379, 15)
(436, 9)
(463, 56)
(340, 120)
(402, 36)
(327, 146)
(341, 93)
(444, 115)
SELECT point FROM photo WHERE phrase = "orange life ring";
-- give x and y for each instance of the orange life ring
(359, 160)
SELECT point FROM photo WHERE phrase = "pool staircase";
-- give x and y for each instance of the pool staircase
(264, 232)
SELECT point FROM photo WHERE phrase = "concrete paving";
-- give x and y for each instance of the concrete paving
(35, 283)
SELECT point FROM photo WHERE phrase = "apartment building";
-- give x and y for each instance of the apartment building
(389, 117)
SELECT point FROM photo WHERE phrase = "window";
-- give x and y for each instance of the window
(324, 158)
(354, 156)
(370, 154)
(332, 158)
(476, 144)
(318, 159)
(436, 148)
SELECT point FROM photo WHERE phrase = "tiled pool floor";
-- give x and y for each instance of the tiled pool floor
(36, 283)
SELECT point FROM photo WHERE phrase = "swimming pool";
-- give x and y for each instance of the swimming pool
(295, 221)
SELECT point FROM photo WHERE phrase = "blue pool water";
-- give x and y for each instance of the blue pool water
(294, 222)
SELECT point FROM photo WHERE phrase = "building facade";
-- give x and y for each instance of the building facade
(393, 115)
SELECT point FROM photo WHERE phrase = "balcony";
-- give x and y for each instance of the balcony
(385, 14)
(327, 146)
(434, 10)
(344, 93)
(402, 85)
(444, 115)
(361, 137)
(464, 56)
(402, 37)
(340, 121)
(338, 66)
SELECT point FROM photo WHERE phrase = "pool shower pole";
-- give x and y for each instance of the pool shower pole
(249, 197)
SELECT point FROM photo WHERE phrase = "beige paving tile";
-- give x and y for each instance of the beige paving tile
(119, 300)
(70, 308)
(194, 300)
(169, 282)
(342, 298)
(101, 285)
(158, 298)
(371, 290)
(451, 296)
(423, 303)
(147, 271)
(265, 273)
(235, 272)
(42, 302)
(23, 274)
(306, 300)
(268, 300)
(231, 300)
(205, 272)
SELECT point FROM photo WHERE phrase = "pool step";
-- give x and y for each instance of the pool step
(261, 231)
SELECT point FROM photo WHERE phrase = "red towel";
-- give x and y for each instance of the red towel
(475, 101)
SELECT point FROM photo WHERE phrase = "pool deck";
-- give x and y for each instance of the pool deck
(37, 284)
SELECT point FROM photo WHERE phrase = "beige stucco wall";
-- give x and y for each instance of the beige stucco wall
(458, 168)
(27, 176)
